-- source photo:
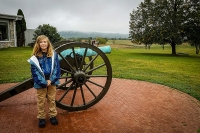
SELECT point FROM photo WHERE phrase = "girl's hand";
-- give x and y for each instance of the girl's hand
(48, 82)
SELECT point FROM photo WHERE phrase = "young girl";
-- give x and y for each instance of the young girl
(45, 69)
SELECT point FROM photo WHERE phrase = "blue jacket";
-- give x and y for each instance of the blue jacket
(38, 74)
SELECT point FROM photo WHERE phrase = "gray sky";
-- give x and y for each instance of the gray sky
(78, 15)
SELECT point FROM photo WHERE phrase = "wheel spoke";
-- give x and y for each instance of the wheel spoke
(90, 90)
(66, 61)
(64, 83)
(64, 77)
(75, 60)
(88, 76)
(74, 95)
(66, 71)
(95, 83)
(95, 68)
(65, 92)
(82, 94)
(90, 63)
(81, 66)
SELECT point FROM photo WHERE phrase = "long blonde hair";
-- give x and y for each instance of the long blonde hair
(37, 50)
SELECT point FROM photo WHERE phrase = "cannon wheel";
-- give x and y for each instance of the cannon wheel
(57, 44)
(86, 85)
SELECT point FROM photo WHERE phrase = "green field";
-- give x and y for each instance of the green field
(133, 62)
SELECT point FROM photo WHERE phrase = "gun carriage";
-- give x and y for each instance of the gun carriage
(86, 76)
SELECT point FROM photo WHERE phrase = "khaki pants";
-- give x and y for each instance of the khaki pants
(42, 94)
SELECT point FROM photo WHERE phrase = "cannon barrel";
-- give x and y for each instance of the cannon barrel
(80, 51)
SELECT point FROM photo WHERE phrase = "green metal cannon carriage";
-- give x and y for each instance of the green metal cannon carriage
(86, 76)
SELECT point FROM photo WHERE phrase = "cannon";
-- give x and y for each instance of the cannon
(86, 76)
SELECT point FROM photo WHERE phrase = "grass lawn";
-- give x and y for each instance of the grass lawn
(128, 61)
(13, 64)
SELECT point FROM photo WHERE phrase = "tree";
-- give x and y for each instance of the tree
(49, 31)
(20, 28)
(159, 22)
(192, 25)
(135, 27)
(101, 40)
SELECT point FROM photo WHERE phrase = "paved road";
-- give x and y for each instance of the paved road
(129, 107)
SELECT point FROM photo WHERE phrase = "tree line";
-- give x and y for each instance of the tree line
(166, 22)
(154, 21)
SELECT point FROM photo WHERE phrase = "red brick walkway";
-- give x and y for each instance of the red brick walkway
(129, 107)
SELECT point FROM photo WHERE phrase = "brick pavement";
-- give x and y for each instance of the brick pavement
(129, 107)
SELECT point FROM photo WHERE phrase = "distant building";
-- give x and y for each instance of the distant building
(29, 36)
(8, 30)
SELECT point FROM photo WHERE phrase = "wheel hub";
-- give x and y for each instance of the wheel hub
(79, 77)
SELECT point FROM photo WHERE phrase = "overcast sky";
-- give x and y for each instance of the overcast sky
(108, 16)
